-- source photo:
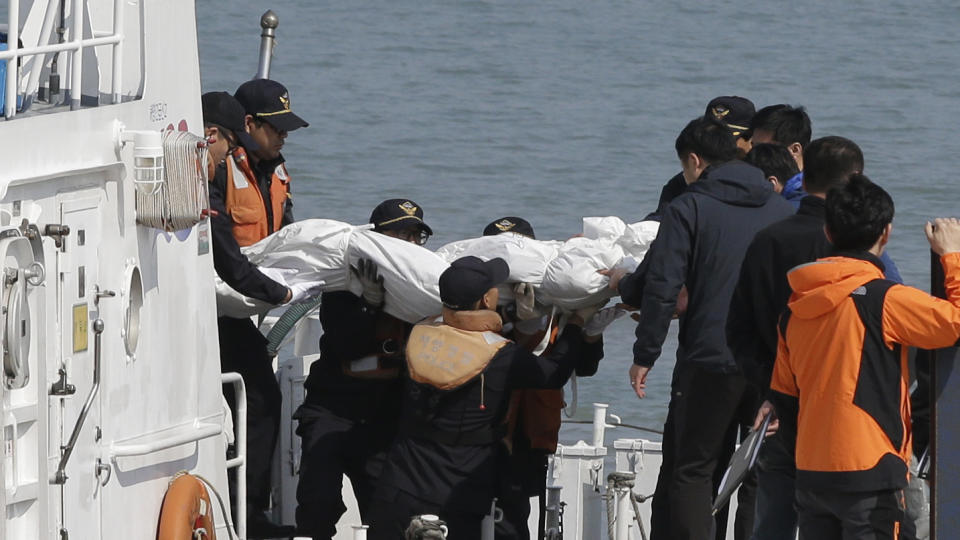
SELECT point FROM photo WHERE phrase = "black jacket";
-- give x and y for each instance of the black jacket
(231, 265)
(701, 243)
(762, 290)
(464, 476)
(353, 330)
(670, 191)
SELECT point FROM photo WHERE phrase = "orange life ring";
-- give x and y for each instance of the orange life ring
(186, 509)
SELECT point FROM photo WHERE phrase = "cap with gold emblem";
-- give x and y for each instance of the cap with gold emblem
(269, 100)
(509, 224)
(398, 214)
(734, 111)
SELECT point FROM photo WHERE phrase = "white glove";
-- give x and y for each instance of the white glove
(526, 303)
(602, 319)
(302, 292)
(367, 274)
(279, 275)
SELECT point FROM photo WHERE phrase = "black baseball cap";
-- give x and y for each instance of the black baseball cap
(398, 214)
(468, 279)
(509, 224)
(224, 110)
(269, 100)
(734, 111)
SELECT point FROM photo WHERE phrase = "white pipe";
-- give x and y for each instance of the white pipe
(240, 399)
(13, 37)
(360, 532)
(117, 70)
(76, 66)
(46, 30)
(599, 423)
(624, 511)
(59, 47)
(191, 433)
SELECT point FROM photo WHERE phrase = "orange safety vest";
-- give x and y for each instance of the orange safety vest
(245, 203)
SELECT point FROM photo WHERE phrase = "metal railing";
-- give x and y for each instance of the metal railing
(76, 44)
(240, 438)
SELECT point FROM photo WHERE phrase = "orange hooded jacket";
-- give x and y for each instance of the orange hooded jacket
(842, 364)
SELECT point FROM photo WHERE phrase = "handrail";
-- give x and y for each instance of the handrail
(194, 432)
(240, 426)
(60, 47)
(77, 44)
(13, 38)
(60, 477)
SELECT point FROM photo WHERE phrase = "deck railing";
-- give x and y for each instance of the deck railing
(76, 44)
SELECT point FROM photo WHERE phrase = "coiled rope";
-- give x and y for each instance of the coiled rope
(182, 198)
(421, 529)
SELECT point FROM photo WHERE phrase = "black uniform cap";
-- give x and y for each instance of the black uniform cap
(224, 110)
(398, 214)
(509, 224)
(468, 279)
(269, 100)
(734, 111)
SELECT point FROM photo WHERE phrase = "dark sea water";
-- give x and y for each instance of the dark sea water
(558, 110)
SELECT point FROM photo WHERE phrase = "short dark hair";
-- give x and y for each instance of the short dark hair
(774, 160)
(857, 213)
(787, 124)
(829, 162)
(708, 138)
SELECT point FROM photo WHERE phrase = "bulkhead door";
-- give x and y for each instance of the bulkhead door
(77, 278)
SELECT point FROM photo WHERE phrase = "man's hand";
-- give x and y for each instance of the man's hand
(638, 379)
(303, 292)
(943, 235)
(366, 272)
(525, 301)
(602, 319)
(615, 275)
(765, 409)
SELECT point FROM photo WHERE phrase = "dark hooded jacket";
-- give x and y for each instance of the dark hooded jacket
(703, 237)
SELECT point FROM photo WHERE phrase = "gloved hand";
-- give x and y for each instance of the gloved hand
(367, 274)
(602, 319)
(303, 292)
(526, 303)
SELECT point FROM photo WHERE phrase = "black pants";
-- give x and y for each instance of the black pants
(875, 515)
(243, 349)
(705, 408)
(523, 474)
(333, 446)
(391, 512)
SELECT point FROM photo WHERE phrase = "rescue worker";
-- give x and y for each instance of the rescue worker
(249, 199)
(460, 374)
(352, 404)
(701, 243)
(841, 376)
(533, 419)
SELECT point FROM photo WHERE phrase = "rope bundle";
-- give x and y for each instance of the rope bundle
(420, 529)
(182, 198)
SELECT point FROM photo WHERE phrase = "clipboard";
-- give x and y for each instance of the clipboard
(741, 463)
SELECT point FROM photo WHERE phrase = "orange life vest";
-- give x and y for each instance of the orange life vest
(447, 357)
(245, 203)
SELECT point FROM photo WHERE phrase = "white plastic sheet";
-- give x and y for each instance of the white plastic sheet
(564, 272)
(322, 250)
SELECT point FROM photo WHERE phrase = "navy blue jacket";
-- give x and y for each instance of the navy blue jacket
(704, 234)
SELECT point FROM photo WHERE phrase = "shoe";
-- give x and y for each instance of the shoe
(259, 527)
